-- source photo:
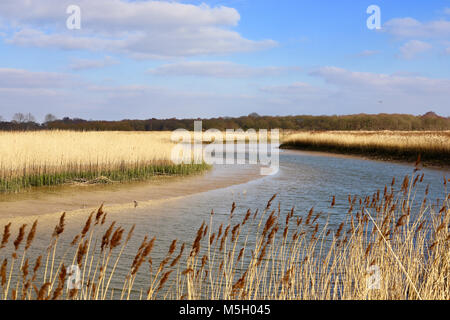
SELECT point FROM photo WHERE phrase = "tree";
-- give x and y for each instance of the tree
(50, 118)
(23, 118)
(29, 118)
(18, 117)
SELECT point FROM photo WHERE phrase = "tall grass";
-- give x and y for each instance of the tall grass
(433, 146)
(389, 236)
(29, 159)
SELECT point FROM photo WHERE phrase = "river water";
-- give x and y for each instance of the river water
(304, 180)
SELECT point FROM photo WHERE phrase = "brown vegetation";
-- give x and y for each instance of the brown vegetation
(432, 146)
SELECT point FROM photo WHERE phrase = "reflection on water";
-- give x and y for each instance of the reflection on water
(303, 181)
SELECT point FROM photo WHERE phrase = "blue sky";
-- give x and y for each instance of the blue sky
(163, 59)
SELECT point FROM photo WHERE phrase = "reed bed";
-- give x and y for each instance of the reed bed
(433, 146)
(32, 159)
(389, 245)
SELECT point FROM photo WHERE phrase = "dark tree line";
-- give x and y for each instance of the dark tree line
(429, 121)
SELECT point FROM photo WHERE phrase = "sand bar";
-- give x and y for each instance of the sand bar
(70, 198)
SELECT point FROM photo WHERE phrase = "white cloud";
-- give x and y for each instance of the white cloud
(108, 15)
(218, 69)
(23, 79)
(412, 28)
(434, 32)
(413, 48)
(37, 38)
(144, 29)
(355, 92)
(390, 83)
(85, 64)
(447, 10)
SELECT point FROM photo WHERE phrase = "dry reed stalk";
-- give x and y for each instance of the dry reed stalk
(130, 234)
(6, 235)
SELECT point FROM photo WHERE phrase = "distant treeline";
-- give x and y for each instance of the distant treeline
(429, 121)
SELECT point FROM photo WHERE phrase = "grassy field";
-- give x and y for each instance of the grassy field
(433, 146)
(388, 245)
(30, 159)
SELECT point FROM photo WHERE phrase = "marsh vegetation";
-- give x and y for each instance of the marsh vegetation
(45, 158)
(433, 146)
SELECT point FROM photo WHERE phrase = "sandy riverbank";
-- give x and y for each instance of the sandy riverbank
(48, 201)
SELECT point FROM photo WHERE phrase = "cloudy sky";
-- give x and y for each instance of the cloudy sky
(163, 59)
